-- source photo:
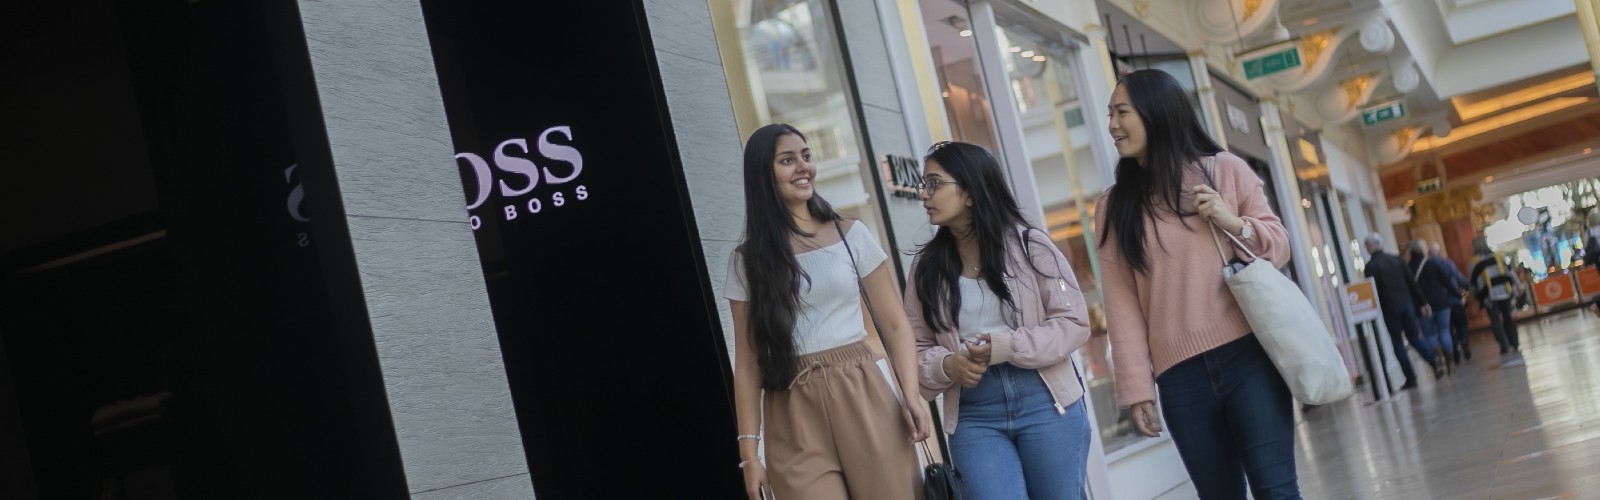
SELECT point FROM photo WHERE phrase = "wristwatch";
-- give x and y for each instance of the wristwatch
(1247, 231)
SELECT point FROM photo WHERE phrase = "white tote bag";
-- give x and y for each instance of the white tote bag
(1290, 330)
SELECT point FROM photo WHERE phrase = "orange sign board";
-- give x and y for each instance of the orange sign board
(1361, 301)
(1555, 290)
(1589, 281)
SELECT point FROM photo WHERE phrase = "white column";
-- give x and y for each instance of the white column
(1208, 98)
(1288, 192)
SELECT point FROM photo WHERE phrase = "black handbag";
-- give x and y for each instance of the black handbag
(940, 480)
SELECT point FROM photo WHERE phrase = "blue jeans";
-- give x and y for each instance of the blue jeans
(1403, 326)
(1232, 417)
(1437, 328)
(1011, 443)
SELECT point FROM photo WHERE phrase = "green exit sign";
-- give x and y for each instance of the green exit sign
(1272, 61)
(1430, 185)
(1382, 113)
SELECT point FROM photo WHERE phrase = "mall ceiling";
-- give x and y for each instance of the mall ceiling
(1497, 87)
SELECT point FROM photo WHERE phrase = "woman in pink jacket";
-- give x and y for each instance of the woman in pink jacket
(997, 314)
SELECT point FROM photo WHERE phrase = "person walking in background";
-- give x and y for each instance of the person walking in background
(1458, 307)
(1400, 298)
(1438, 292)
(1173, 322)
(1494, 287)
(1591, 258)
(997, 314)
(804, 379)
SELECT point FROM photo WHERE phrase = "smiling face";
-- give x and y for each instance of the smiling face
(946, 202)
(1127, 129)
(792, 168)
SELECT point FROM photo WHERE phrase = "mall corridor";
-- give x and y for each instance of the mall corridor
(1526, 432)
(496, 249)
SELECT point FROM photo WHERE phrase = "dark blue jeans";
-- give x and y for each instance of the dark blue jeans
(1232, 417)
(1403, 325)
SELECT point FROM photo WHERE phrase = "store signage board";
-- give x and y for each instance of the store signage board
(901, 175)
(1557, 289)
(577, 200)
(1272, 60)
(1361, 301)
(1589, 281)
(1238, 119)
(1388, 111)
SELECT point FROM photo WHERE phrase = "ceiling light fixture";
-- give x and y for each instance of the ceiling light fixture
(1027, 53)
(1038, 58)
(1471, 109)
(1015, 49)
(1505, 120)
(966, 33)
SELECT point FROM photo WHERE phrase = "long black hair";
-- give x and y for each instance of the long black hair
(995, 219)
(1174, 140)
(770, 269)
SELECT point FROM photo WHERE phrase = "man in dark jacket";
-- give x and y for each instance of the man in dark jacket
(1458, 307)
(1438, 289)
(1398, 296)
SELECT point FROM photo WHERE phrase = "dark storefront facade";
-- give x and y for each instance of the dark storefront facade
(376, 249)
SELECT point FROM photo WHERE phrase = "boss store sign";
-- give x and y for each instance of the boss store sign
(574, 191)
(519, 175)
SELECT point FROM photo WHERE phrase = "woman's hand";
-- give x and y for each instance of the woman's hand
(921, 423)
(1215, 209)
(979, 351)
(963, 370)
(1145, 418)
(755, 479)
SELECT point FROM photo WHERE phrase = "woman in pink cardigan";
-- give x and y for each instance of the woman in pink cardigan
(1173, 323)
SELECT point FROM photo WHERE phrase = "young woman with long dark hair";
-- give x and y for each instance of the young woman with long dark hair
(997, 314)
(804, 379)
(1173, 322)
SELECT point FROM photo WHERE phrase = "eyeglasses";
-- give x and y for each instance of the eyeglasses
(927, 187)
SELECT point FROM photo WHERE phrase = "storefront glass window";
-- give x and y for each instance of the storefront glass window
(1544, 229)
(784, 66)
(1043, 86)
(956, 62)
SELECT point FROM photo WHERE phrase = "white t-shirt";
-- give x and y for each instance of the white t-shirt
(830, 308)
(981, 310)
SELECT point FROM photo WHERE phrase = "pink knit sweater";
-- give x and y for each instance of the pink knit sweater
(1180, 306)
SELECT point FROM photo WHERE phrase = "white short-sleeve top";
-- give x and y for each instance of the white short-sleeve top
(830, 303)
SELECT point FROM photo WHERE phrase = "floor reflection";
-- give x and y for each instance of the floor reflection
(1486, 432)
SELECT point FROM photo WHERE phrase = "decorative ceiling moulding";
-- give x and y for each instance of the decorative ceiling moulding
(1406, 78)
(1229, 21)
(1396, 146)
(1342, 101)
(1319, 50)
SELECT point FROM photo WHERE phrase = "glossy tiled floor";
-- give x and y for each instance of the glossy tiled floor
(1487, 432)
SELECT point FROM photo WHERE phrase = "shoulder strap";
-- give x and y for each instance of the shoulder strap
(888, 357)
(1209, 163)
